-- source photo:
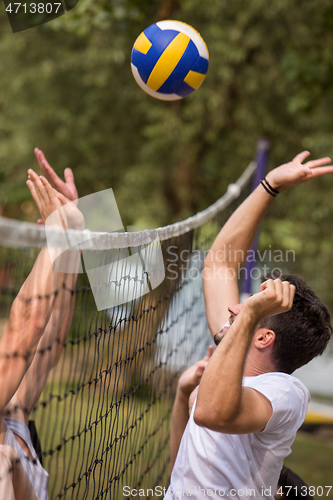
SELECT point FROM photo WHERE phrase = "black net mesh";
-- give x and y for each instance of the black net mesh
(103, 418)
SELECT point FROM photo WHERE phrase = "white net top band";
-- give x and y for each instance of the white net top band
(15, 233)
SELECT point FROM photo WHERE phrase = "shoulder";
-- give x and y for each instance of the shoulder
(275, 385)
(288, 396)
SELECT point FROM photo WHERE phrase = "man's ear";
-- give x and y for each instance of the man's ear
(264, 338)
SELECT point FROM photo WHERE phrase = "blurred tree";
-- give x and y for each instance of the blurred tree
(67, 88)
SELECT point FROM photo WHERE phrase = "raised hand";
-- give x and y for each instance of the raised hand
(49, 200)
(66, 188)
(274, 297)
(43, 194)
(189, 380)
(295, 172)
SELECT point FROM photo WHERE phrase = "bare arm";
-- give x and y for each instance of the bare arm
(47, 354)
(51, 344)
(227, 255)
(230, 248)
(187, 382)
(34, 304)
(223, 404)
(14, 481)
(28, 317)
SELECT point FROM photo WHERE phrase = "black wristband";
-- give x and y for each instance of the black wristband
(270, 187)
(267, 189)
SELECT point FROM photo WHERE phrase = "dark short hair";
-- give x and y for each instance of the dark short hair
(291, 486)
(301, 333)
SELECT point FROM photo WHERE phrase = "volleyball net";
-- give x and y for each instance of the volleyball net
(103, 417)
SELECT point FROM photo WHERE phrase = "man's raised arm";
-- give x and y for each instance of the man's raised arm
(230, 248)
(223, 405)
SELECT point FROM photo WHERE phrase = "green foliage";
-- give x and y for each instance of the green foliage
(311, 460)
(67, 88)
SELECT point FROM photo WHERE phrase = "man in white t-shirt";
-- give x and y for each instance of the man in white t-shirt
(248, 406)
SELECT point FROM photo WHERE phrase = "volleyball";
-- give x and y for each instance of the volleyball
(169, 60)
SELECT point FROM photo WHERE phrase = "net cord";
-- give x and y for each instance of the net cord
(15, 233)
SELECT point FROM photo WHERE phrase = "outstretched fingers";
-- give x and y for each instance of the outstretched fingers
(63, 200)
(68, 187)
(47, 169)
(301, 156)
(33, 191)
(38, 185)
(318, 163)
(43, 194)
(296, 172)
(314, 168)
(36, 194)
(69, 176)
(48, 188)
(322, 171)
(38, 154)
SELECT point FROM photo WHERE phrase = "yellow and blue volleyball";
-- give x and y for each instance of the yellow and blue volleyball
(169, 60)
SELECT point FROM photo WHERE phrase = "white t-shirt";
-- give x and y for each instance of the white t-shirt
(35, 471)
(214, 465)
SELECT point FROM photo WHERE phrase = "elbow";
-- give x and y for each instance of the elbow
(214, 260)
(198, 417)
(205, 417)
(213, 420)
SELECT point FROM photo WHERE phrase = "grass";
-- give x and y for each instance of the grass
(105, 444)
(123, 448)
(312, 460)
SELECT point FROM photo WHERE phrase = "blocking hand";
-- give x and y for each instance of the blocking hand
(295, 172)
(66, 188)
(49, 200)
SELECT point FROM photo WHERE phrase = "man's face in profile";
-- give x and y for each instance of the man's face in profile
(234, 311)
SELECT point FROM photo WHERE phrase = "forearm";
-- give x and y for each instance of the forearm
(236, 237)
(49, 347)
(180, 416)
(29, 317)
(60, 320)
(47, 355)
(41, 284)
(35, 302)
(220, 390)
(32, 307)
(61, 316)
